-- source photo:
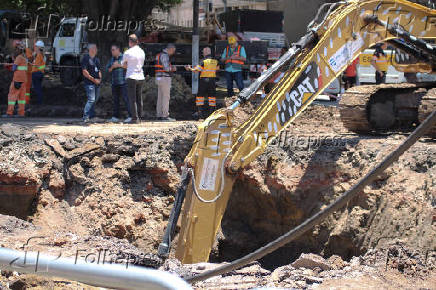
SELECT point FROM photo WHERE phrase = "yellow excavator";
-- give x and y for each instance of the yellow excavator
(337, 35)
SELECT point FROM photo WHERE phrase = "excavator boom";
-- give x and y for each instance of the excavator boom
(340, 32)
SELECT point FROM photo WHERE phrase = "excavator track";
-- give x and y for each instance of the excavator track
(387, 107)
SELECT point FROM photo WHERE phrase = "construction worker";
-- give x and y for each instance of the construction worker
(38, 69)
(350, 74)
(163, 69)
(17, 89)
(28, 84)
(234, 57)
(380, 63)
(206, 86)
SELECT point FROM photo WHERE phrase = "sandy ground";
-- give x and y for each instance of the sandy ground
(75, 126)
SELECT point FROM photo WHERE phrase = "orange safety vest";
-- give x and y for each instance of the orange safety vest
(158, 66)
(238, 53)
(39, 63)
(20, 75)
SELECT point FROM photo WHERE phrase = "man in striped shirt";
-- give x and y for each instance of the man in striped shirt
(164, 70)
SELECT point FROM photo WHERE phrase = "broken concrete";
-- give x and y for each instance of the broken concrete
(311, 261)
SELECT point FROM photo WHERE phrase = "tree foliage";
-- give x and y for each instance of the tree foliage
(130, 8)
(123, 10)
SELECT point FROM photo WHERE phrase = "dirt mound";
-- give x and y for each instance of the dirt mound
(117, 186)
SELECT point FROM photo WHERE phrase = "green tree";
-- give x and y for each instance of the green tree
(124, 10)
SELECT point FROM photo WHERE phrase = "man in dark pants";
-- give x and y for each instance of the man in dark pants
(234, 56)
(119, 86)
(207, 87)
(380, 63)
(38, 69)
(133, 61)
(92, 74)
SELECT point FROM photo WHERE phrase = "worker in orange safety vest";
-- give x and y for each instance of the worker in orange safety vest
(234, 57)
(38, 68)
(28, 84)
(18, 86)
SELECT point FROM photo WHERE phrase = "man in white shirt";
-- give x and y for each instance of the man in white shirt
(133, 61)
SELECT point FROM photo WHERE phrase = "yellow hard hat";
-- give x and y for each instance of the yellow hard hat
(232, 40)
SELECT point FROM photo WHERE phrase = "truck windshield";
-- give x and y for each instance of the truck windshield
(67, 30)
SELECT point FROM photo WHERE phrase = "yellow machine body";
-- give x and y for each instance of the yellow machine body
(220, 149)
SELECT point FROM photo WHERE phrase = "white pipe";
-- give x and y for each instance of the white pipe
(100, 275)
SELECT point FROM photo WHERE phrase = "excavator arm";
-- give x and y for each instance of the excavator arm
(340, 32)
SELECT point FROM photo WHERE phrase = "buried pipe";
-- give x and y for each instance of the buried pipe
(100, 275)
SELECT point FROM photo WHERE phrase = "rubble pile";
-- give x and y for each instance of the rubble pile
(310, 271)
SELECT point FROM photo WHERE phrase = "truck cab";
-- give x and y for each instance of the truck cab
(69, 43)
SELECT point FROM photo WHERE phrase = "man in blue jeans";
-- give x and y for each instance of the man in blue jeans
(234, 57)
(119, 85)
(91, 71)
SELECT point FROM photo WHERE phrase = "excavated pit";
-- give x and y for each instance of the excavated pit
(108, 186)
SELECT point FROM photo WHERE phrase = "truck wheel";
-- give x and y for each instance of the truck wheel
(68, 74)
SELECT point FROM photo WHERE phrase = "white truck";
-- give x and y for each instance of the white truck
(69, 44)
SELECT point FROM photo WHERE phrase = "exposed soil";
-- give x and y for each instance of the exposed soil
(109, 186)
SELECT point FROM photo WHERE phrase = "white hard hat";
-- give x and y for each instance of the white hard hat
(39, 43)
